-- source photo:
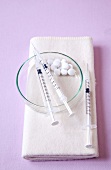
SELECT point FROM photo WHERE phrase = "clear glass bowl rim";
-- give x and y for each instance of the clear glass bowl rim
(28, 101)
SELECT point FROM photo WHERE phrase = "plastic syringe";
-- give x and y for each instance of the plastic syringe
(45, 92)
(89, 126)
(62, 97)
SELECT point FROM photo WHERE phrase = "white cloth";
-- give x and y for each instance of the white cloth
(67, 140)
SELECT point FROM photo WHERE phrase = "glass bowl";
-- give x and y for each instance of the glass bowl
(29, 87)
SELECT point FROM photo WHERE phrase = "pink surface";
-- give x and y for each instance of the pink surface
(21, 20)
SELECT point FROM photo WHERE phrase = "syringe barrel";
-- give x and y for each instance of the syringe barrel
(43, 84)
(87, 92)
(60, 94)
(45, 91)
(50, 75)
(47, 97)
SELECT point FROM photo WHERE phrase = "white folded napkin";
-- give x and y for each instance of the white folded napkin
(65, 141)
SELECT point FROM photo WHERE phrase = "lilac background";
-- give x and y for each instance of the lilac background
(21, 20)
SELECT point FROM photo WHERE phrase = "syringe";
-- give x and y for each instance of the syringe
(62, 97)
(45, 92)
(89, 126)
